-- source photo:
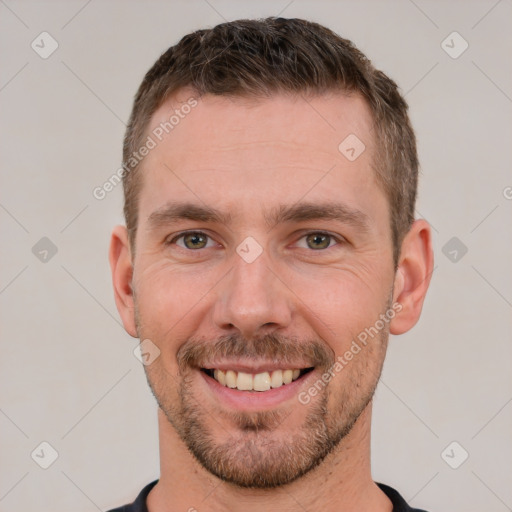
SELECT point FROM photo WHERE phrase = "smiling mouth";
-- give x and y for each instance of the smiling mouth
(262, 381)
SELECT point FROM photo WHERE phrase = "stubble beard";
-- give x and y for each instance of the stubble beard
(259, 452)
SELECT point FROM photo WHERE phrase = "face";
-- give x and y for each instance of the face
(262, 254)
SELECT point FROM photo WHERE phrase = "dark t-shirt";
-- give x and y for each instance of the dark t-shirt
(139, 505)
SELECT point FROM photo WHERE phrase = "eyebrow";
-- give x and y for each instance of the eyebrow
(317, 211)
(177, 211)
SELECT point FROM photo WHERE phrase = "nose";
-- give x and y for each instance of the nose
(252, 299)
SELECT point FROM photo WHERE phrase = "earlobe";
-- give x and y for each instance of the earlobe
(412, 277)
(122, 272)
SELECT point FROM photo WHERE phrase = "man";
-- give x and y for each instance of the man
(270, 176)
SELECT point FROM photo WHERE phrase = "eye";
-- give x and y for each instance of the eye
(318, 240)
(192, 240)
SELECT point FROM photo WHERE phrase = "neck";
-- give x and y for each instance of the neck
(341, 482)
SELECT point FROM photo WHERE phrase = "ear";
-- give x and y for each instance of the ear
(412, 277)
(122, 272)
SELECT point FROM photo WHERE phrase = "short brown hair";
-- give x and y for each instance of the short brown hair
(258, 58)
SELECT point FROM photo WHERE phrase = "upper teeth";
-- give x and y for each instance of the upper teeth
(255, 382)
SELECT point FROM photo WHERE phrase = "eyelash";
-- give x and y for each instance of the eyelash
(338, 240)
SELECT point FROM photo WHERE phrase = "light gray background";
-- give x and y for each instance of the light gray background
(68, 373)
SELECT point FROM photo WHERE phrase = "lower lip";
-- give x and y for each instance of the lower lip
(256, 400)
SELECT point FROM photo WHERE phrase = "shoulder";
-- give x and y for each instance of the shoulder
(399, 504)
(139, 505)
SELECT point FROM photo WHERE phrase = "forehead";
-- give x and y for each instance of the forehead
(218, 148)
(318, 123)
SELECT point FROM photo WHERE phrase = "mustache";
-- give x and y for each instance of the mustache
(197, 353)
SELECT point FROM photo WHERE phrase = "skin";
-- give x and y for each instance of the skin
(246, 157)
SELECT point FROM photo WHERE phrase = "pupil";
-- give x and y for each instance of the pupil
(321, 241)
(195, 239)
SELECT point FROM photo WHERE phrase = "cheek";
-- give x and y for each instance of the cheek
(340, 302)
(173, 303)
(165, 300)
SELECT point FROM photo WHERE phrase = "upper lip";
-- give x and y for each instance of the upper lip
(255, 367)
